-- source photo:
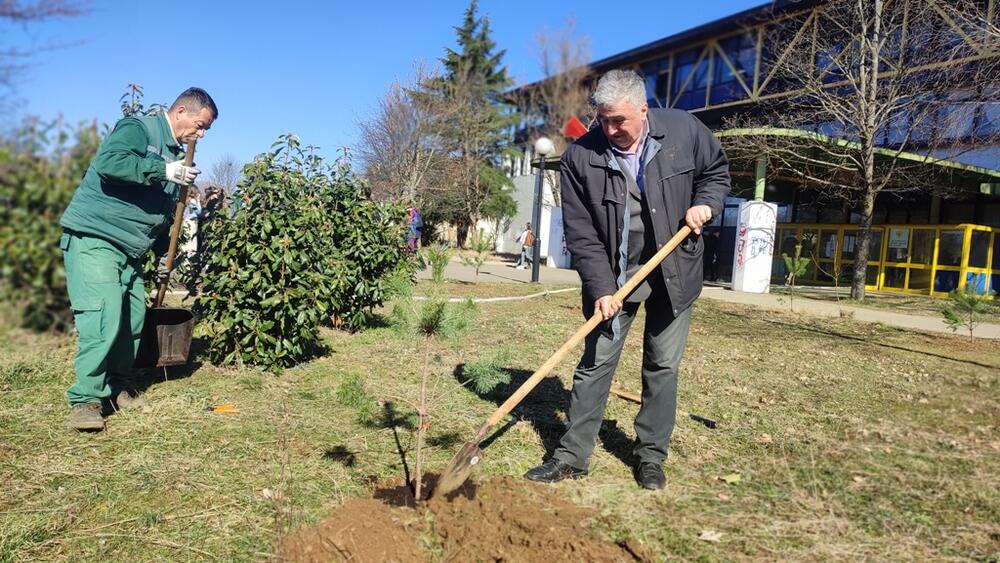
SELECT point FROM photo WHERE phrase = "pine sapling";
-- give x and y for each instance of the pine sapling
(966, 309)
(433, 320)
(797, 267)
(481, 252)
(438, 255)
(485, 375)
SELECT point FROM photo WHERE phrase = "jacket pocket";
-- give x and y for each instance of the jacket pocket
(693, 245)
(677, 187)
(676, 169)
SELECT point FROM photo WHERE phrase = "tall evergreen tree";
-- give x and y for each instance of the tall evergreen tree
(476, 138)
(476, 59)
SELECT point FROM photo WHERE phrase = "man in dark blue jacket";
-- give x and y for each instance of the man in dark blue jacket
(627, 187)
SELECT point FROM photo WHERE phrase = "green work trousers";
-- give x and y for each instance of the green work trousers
(108, 298)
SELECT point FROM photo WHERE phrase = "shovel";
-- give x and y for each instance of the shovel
(460, 467)
(166, 334)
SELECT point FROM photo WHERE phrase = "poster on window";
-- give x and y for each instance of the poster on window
(899, 238)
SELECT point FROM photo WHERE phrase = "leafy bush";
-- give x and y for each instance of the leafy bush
(40, 167)
(300, 246)
(369, 244)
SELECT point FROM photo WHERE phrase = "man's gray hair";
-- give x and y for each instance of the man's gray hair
(617, 85)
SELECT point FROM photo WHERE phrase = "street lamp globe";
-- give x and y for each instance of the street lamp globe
(544, 146)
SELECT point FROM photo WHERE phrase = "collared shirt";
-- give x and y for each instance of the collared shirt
(170, 128)
(635, 164)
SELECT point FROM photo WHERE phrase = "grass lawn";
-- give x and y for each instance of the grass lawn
(836, 441)
(896, 302)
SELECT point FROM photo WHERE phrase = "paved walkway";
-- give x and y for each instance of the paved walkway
(503, 272)
(497, 271)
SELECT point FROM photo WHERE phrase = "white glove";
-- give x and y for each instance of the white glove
(180, 174)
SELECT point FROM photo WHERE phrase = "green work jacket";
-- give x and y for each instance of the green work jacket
(124, 197)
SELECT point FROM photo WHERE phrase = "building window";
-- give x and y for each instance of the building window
(690, 93)
(979, 249)
(989, 118)
(657, 82)
(741, 53)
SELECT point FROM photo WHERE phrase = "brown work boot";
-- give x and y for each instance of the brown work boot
(86, 417)
(129, 400)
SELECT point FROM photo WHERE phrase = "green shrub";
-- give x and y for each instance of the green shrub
(300, 246)
(40, 167)
(368, 240)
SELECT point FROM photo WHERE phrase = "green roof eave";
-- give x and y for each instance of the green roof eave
(981, 174)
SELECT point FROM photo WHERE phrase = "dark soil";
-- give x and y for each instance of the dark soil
(500, 519)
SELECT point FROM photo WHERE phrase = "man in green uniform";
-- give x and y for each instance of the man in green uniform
(122, 208)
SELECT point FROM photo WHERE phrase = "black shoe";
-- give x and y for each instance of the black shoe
(554, 470)
(650, 476)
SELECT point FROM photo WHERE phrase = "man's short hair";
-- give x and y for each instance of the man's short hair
(195, 99)
(617, 85)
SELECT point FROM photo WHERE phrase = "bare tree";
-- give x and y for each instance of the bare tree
(867, 84)
(562, 92)
(401, 145)
(14, 61)
(225, 173)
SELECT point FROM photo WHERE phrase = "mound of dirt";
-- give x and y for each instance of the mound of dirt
(500, 519)
(361, 530)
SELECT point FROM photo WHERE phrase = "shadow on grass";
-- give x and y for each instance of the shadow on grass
(341, 454)
(508, 278)
(373, 320)
(392, 419)
(541, 407)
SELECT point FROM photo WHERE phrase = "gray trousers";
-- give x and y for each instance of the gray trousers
(664, 338)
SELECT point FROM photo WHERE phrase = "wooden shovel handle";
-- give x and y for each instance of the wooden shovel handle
(587, 327)
(175, 229)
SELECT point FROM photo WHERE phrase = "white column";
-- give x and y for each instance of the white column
(754, 247)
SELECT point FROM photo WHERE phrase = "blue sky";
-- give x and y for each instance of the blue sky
(312, 68)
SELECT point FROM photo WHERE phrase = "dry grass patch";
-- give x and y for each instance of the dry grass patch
(848, 441)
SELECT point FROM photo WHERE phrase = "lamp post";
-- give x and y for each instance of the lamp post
(543, 148)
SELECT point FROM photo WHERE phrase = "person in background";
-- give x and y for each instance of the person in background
(527, 240)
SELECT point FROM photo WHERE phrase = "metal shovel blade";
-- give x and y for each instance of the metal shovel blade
(166, 338)
(458, 469)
